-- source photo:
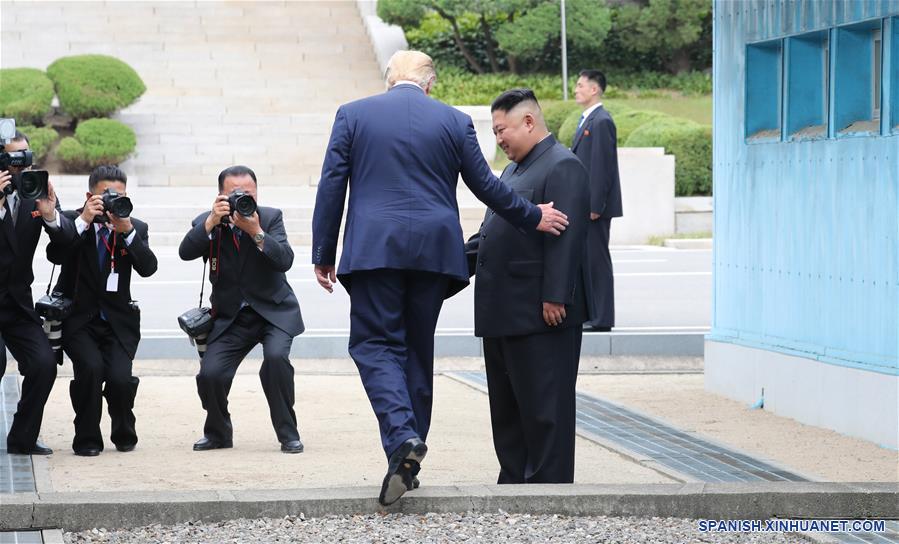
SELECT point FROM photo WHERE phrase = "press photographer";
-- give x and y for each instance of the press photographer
(252, 303)
(102, 332)
(28, 205)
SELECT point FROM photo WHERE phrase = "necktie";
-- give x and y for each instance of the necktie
(581, 122)
(14, 206)
(102, 252)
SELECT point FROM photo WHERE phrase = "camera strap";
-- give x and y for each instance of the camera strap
(203, 281)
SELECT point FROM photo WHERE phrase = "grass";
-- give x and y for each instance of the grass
(660, 240)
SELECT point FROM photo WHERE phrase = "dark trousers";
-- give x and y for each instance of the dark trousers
(531, 381)
(97, 358)
(29, 346)
(393, 315)
(601, 272)
(219, 365)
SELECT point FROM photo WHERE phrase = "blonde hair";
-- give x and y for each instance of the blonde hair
(412, 66)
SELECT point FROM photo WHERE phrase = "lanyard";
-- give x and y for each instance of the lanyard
(110, 249)
(236, 241)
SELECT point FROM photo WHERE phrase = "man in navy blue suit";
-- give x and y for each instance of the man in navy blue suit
(401, 154)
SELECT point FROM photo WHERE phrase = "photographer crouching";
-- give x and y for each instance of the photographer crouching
(252, 303)
(27, 205)
(102, 332)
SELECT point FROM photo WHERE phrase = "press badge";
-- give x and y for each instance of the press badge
(112, 282)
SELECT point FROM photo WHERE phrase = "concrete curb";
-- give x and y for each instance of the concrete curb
(309, 346)
(86, 510)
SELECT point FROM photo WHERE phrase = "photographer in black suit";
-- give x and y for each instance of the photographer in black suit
(252, 303)
(101, 334)
(21, 222)
(531, 299)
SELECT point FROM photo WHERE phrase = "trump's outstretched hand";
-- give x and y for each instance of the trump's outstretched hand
(326, 276)
(553, 221)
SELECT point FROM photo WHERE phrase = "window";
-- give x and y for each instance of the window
(807, 66)
(763, 91)
(857, 79)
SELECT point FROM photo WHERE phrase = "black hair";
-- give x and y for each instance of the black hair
(19, 137)
(237, 171)
(596, 77)
(511, 98)
(106, 172)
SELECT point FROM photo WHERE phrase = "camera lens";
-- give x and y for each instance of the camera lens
(33, 184)
(121, 206)
(246, 206)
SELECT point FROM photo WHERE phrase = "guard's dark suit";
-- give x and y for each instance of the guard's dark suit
(595, 144)
(531, 366)
(19, 324)
(102, 333)
(252, 303)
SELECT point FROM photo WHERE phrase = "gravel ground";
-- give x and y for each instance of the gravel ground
(429, 528)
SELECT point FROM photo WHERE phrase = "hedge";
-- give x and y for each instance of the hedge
(556, 111)
(689, 142)
(96, 142)
(40, 139)
(26, 95)
(94, 85)
(627, 122)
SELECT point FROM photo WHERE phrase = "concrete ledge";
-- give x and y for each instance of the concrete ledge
(80, 511)
(308, 346)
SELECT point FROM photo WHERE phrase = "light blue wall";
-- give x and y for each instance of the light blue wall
(806, 232)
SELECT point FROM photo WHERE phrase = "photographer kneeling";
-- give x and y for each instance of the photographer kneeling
(101, 333)
(252, 303)
(27, 205)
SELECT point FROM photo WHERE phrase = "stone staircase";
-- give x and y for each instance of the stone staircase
(228, 82)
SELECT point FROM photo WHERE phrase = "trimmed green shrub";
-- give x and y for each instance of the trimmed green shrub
(25, 94)
(627, 122)
(94, 85)
(691, 145)
(40, 139)
(96, 142)
(556, 111)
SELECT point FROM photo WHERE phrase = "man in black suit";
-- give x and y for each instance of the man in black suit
(21, 222)
(101, 334)
(531, 300)
(595, 144)
(252, 303)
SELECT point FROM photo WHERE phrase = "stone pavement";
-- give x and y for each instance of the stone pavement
(227, 82)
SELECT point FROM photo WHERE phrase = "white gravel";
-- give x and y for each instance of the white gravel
(429, 528)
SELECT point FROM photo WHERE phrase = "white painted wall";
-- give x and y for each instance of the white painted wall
(851, 401)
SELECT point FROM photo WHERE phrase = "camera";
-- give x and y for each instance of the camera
(118, 205)
(241, 203)
(22, 159)
(54, 306)
(31, 184)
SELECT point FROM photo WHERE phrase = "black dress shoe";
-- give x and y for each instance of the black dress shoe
(37, 449)
(591, 328)
(125, 448)
(404, 463)
(292, 446)
(415, 483)
(204, 444)
(88, 452)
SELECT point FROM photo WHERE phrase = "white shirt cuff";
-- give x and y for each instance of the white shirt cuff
(80, 225)
(55, 224)
(131, 237)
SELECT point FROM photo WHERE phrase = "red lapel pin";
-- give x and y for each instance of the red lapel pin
(586, 132)
(35, 214)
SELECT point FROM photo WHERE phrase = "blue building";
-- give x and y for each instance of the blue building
(806, 178)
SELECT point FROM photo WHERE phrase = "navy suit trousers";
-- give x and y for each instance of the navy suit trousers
(393, 316)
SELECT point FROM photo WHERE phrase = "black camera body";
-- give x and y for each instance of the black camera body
(118, 205)
(54, 306)
(242, 203)
(196, 322)
(21, 159)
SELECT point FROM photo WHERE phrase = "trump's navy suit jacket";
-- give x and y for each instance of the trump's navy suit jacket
(401, 153)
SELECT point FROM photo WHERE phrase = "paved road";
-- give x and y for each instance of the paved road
(656, 289)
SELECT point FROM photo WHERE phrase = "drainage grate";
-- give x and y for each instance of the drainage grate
(647, 439)
(16, 472)
(21, 537)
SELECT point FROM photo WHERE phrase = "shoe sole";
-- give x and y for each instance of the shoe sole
(219, 447)
(300, 450)
(396, 484)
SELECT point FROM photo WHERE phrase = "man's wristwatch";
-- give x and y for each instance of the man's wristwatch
(259, 238)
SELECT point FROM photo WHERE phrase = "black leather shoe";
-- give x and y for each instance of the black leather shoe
(125, 448)
(415, 483)
(591, 328)
(403, 464)
(293, 446)
(38, 449)
(204, 444)
(88, 452)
